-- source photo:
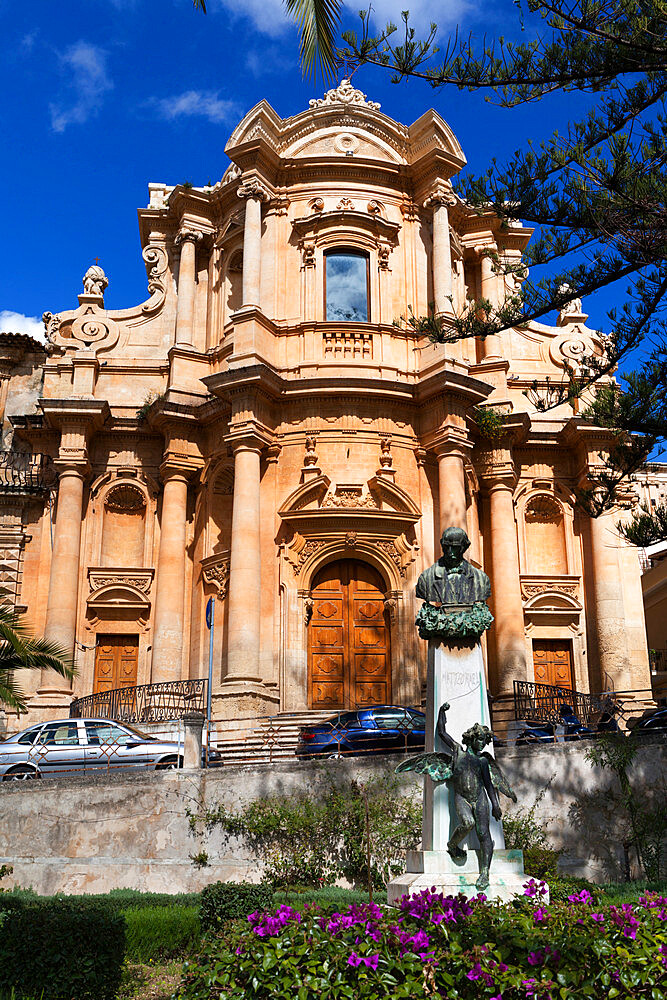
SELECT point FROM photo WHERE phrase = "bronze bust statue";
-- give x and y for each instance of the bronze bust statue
(455, 593)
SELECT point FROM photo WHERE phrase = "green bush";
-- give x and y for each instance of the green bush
(223, 901)
(161, 932)
(59, 949)
(441, 947)
(327, 897)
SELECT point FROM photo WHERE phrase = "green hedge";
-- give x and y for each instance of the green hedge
(223, 901)
(59, 948)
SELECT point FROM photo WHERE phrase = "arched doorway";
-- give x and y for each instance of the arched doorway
(349, 663)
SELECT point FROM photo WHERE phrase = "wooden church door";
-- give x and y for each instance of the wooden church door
(116, 662)
(349, 663)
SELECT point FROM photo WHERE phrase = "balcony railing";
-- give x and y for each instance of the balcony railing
(21, 473)
(146, 703)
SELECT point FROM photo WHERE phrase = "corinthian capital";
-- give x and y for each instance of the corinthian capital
(184, 234)
(252, 188)
(442, 194)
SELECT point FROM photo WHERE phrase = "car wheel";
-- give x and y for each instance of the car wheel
(21, 773)
(339, 754)
(169, 764)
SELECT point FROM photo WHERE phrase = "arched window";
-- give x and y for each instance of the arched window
(346, 286)
(123, 527)
(546, 550)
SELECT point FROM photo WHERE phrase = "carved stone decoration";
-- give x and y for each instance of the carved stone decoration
(308, 606)
(316, 205)
(401, 551)
(574, 347)
(351, 539)
(346, 143)
(386, 461)
(383, 256)
(185, 234)
(531, 590)
(252, 188)
(345, 94)
(136, 579)
(95, 281)
(571, 312)
(93, 328)
(215, 570)
(157, 263)
(307, 253)
(375, 207)
(346, 204)
(310, 548)
(543, 509)
(51, 323)
(441, 194)
(349, 497)
(391, 607)
(125, 498)
(310, 458)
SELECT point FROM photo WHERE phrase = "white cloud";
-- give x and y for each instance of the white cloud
(269, 16)
(88, 83)
(13, 322)
(200, 103)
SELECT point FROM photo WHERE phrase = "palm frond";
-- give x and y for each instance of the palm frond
(318, 22)
(199, 5)
(10, 694)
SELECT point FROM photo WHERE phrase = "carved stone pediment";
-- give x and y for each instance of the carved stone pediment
(321, 500)
(121, 587)
(551, 593)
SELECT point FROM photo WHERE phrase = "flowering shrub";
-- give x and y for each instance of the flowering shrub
(443, 946)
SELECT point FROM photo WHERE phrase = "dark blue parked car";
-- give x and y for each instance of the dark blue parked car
(368, 731)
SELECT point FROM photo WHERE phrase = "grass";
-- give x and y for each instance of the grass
(150, 981)
(629, 892)
(161, 932)
(332, 895)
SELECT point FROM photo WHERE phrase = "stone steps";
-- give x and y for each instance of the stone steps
(264, 740)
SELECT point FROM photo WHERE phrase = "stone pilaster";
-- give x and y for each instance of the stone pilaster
(168, 619)
(439, 200)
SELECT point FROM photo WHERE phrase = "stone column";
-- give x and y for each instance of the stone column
(244, 594)
(168, 618)
(187, 272)
(61, 608)
(442, 254)
(491, 346)
(254, 195)
(506, 587)
(451, 486)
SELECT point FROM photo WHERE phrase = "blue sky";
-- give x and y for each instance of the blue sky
(103, 97)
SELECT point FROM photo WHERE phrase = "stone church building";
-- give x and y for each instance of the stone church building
(267, 430)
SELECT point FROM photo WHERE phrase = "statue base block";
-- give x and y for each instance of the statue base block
(436, 869)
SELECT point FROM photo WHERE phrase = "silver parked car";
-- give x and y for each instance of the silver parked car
(83, 745)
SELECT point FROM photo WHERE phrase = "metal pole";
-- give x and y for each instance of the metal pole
(210, 616)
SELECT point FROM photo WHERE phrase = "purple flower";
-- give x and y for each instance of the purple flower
(598, 917)
(581, 897)
(540, 915)
(475, 972)
(354, 960)
(536, 958)
(371, 961)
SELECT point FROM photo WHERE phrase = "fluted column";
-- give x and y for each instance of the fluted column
(439, 201)
(254, 195)
(491, 346)
(506, 586)
(244, 593)
(187, 272)
(168, 619)
(451, 486)
(61, 608)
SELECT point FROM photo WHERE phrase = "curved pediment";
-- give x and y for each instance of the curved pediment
(309, 495)
(345, 123)
(379, 495)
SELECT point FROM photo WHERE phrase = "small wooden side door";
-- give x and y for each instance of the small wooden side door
(116, 662)
(552, 660)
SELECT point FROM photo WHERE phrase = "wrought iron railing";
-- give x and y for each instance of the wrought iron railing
(146, 703)
(21, 473)
(542, 703)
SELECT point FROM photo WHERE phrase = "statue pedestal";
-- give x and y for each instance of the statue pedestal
(436, 870)
(455, 675)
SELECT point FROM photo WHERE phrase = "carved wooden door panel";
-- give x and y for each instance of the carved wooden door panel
(552, 659)
(348, 638)
(116, 662)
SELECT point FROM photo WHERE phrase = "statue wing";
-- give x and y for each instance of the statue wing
(498, 779)
(437, 766)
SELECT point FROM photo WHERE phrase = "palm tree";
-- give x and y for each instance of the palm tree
(19, 650)
(318, 22)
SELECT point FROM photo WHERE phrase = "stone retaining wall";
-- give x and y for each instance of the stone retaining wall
(95, 833)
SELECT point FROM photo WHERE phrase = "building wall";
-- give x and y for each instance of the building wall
(263, 442)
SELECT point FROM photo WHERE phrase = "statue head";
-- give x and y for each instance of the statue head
(454, 543)
(477, 737)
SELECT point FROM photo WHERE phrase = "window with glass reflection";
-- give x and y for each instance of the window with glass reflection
(346, 294)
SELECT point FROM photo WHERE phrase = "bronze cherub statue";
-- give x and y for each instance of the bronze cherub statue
(476, 779)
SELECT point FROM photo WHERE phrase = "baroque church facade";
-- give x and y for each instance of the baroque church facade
(266, 430)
